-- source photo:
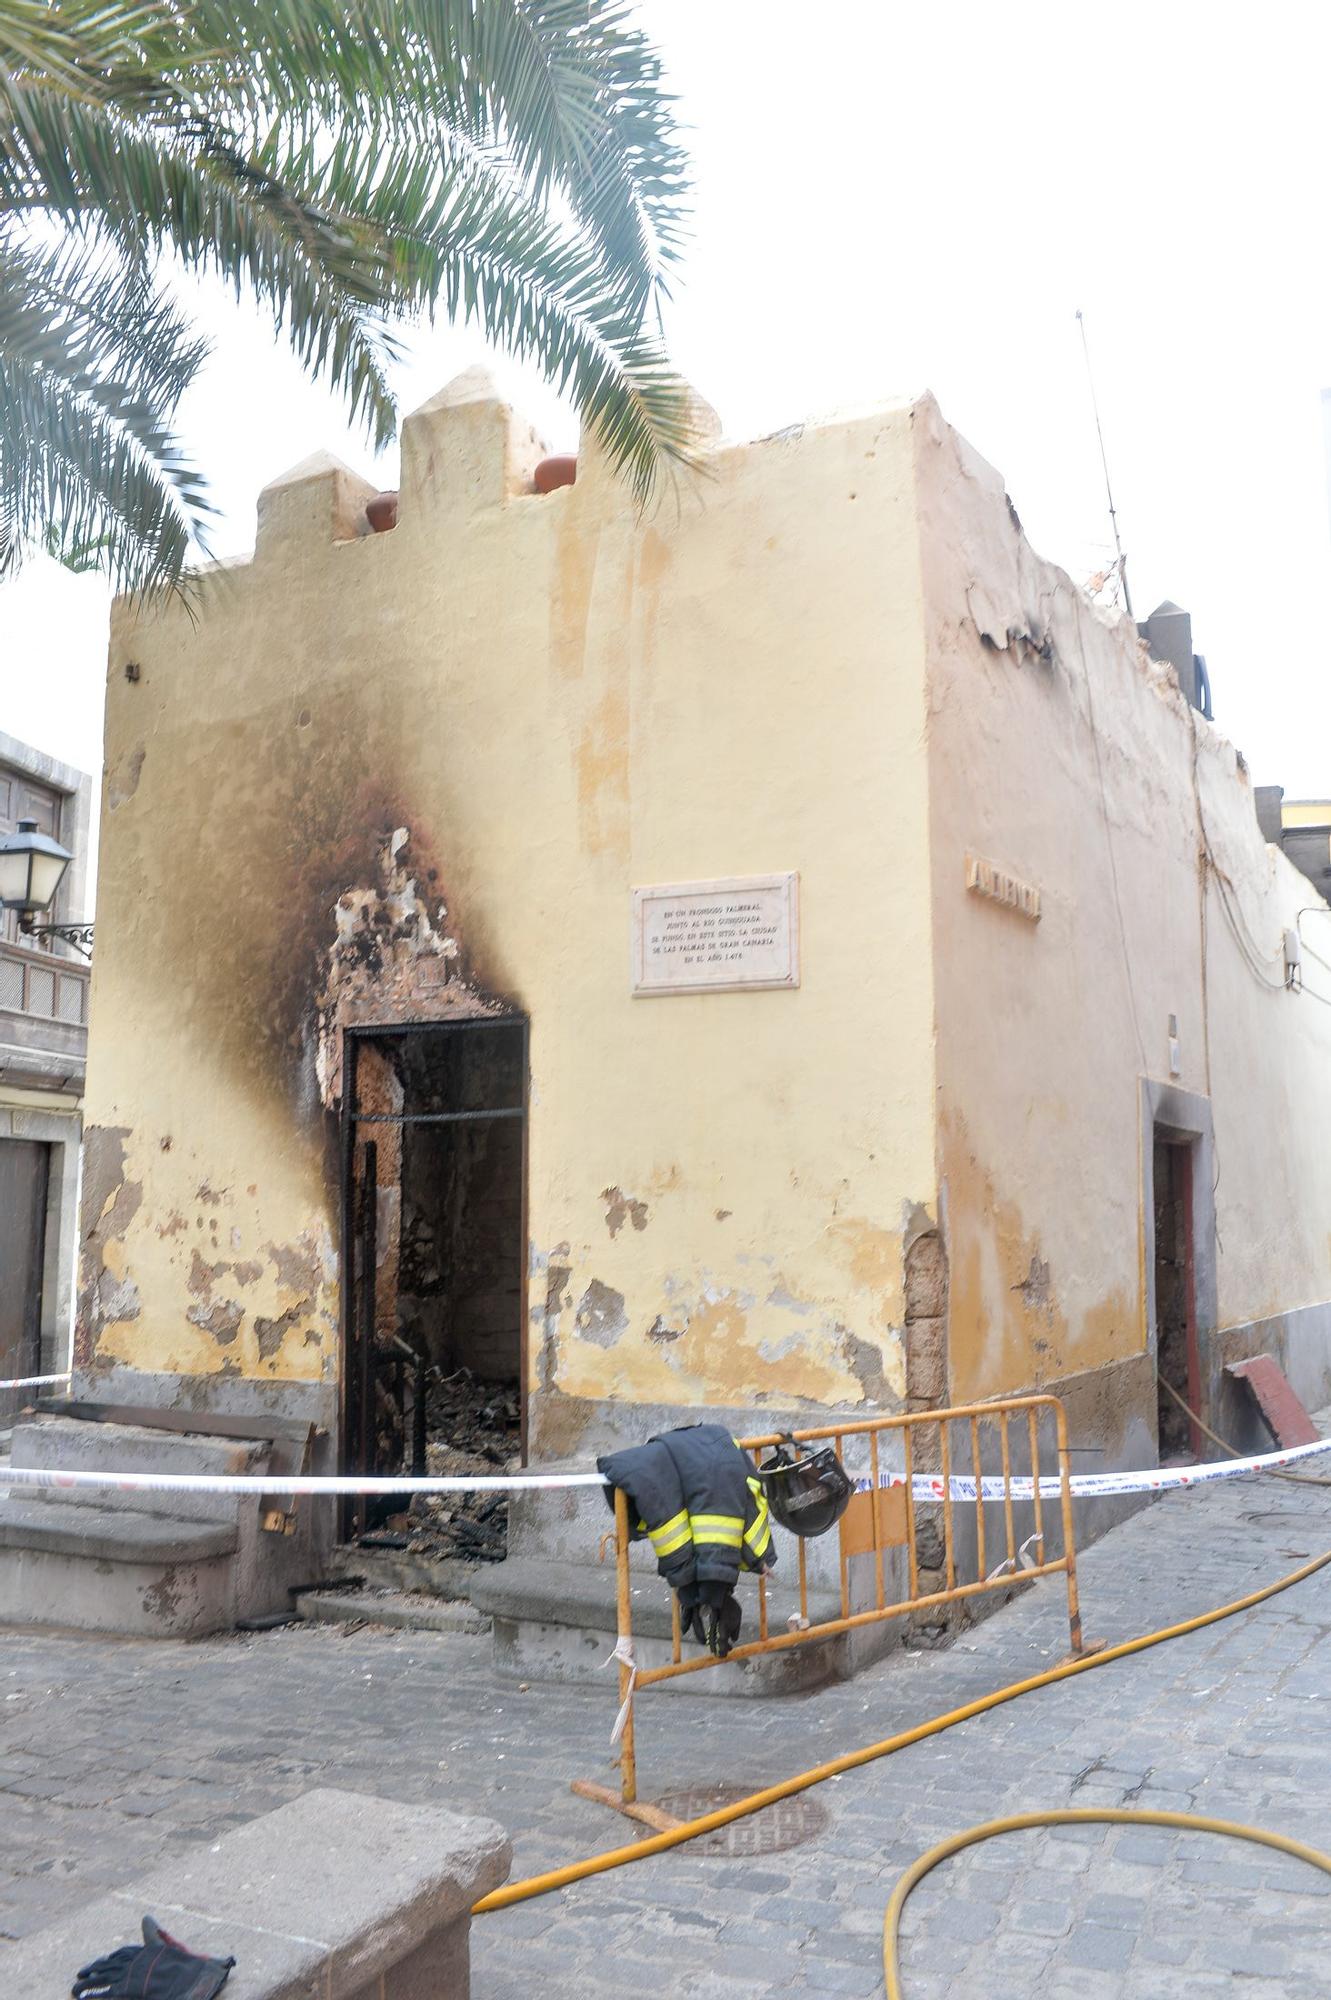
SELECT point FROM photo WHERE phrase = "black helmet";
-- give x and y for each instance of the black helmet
(807, 1491)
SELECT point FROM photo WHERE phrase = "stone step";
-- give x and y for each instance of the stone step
(106, 1534)
(108, 1570)
(67, 1444)
(408, 1611)
(445, 1577)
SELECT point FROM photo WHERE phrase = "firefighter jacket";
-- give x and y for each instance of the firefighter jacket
(694, 1493)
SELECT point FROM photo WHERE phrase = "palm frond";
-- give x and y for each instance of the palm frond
(478, 252)
(322, 277)
(568, 88)
(92, 363)
(349, 163)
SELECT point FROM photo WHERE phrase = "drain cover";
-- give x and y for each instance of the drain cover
(788, 1823)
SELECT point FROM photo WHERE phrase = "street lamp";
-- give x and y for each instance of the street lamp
(32, 867)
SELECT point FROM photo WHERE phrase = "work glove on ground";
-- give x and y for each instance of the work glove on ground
(158, 1969)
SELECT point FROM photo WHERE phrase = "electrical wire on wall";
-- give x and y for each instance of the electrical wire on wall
(1254, 958)
(1204, 942)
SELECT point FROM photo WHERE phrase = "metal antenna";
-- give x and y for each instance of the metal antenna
(1109, 491)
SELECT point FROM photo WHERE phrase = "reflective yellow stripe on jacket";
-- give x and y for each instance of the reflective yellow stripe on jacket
(727, 1530)
(758, 1534)
(671, 1536)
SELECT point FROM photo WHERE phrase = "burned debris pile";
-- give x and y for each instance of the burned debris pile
(472, 1427)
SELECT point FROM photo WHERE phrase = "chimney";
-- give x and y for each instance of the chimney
(1267, 800)
(1168, 633)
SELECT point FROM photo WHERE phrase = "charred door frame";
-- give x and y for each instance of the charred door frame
(350, 1433)
(1181, 1118)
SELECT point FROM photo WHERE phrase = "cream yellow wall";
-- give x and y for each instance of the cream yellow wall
(559, 700)
(1060, 753)
(1305, 812)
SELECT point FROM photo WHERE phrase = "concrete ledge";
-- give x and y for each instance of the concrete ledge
(583, 1594)
(333, 1897)
(409, 1614)
(556, 1622)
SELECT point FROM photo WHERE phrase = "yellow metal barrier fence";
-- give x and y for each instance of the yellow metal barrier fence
(885, 1515)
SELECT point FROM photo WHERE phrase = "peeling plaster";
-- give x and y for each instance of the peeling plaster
(296, 1267)
(1036, 1293)
(122, 780)
(270, 1333)
(717, 1343)
(1008, 1330)
(866, 1363)
(621, 1207)
(779, 1296)
(108, 1295)
(600, 1316)
(556, 1288)
(114, 1300)
(222, 1321)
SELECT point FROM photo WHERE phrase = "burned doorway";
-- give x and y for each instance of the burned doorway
(435, 1249)
(1177, 1360)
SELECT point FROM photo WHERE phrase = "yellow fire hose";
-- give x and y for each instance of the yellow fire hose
(659, 1843)
(1083, 1816)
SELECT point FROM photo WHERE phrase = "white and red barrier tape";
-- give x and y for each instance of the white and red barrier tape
(1096, 1485)
(32, 1381)
(925, 1487)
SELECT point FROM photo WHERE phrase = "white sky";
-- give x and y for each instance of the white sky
(892, 197)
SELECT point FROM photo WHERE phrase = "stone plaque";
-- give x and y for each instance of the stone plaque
(709, 937)
(984, 878)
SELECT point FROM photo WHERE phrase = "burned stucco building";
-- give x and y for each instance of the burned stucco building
(786, 951)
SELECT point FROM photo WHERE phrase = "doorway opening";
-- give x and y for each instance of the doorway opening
(435, 1249)
(25, 1166)
(1176, 1352)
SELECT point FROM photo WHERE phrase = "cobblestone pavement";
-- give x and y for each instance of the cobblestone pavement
(114, 1754)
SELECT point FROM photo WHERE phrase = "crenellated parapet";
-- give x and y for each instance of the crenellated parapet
(464, 452)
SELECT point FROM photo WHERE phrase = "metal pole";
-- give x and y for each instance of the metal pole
(628, 1761)
(346, 1508)
(982, 1568)
(1069, 1546)
(1008, 1525)
(369, 1239)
